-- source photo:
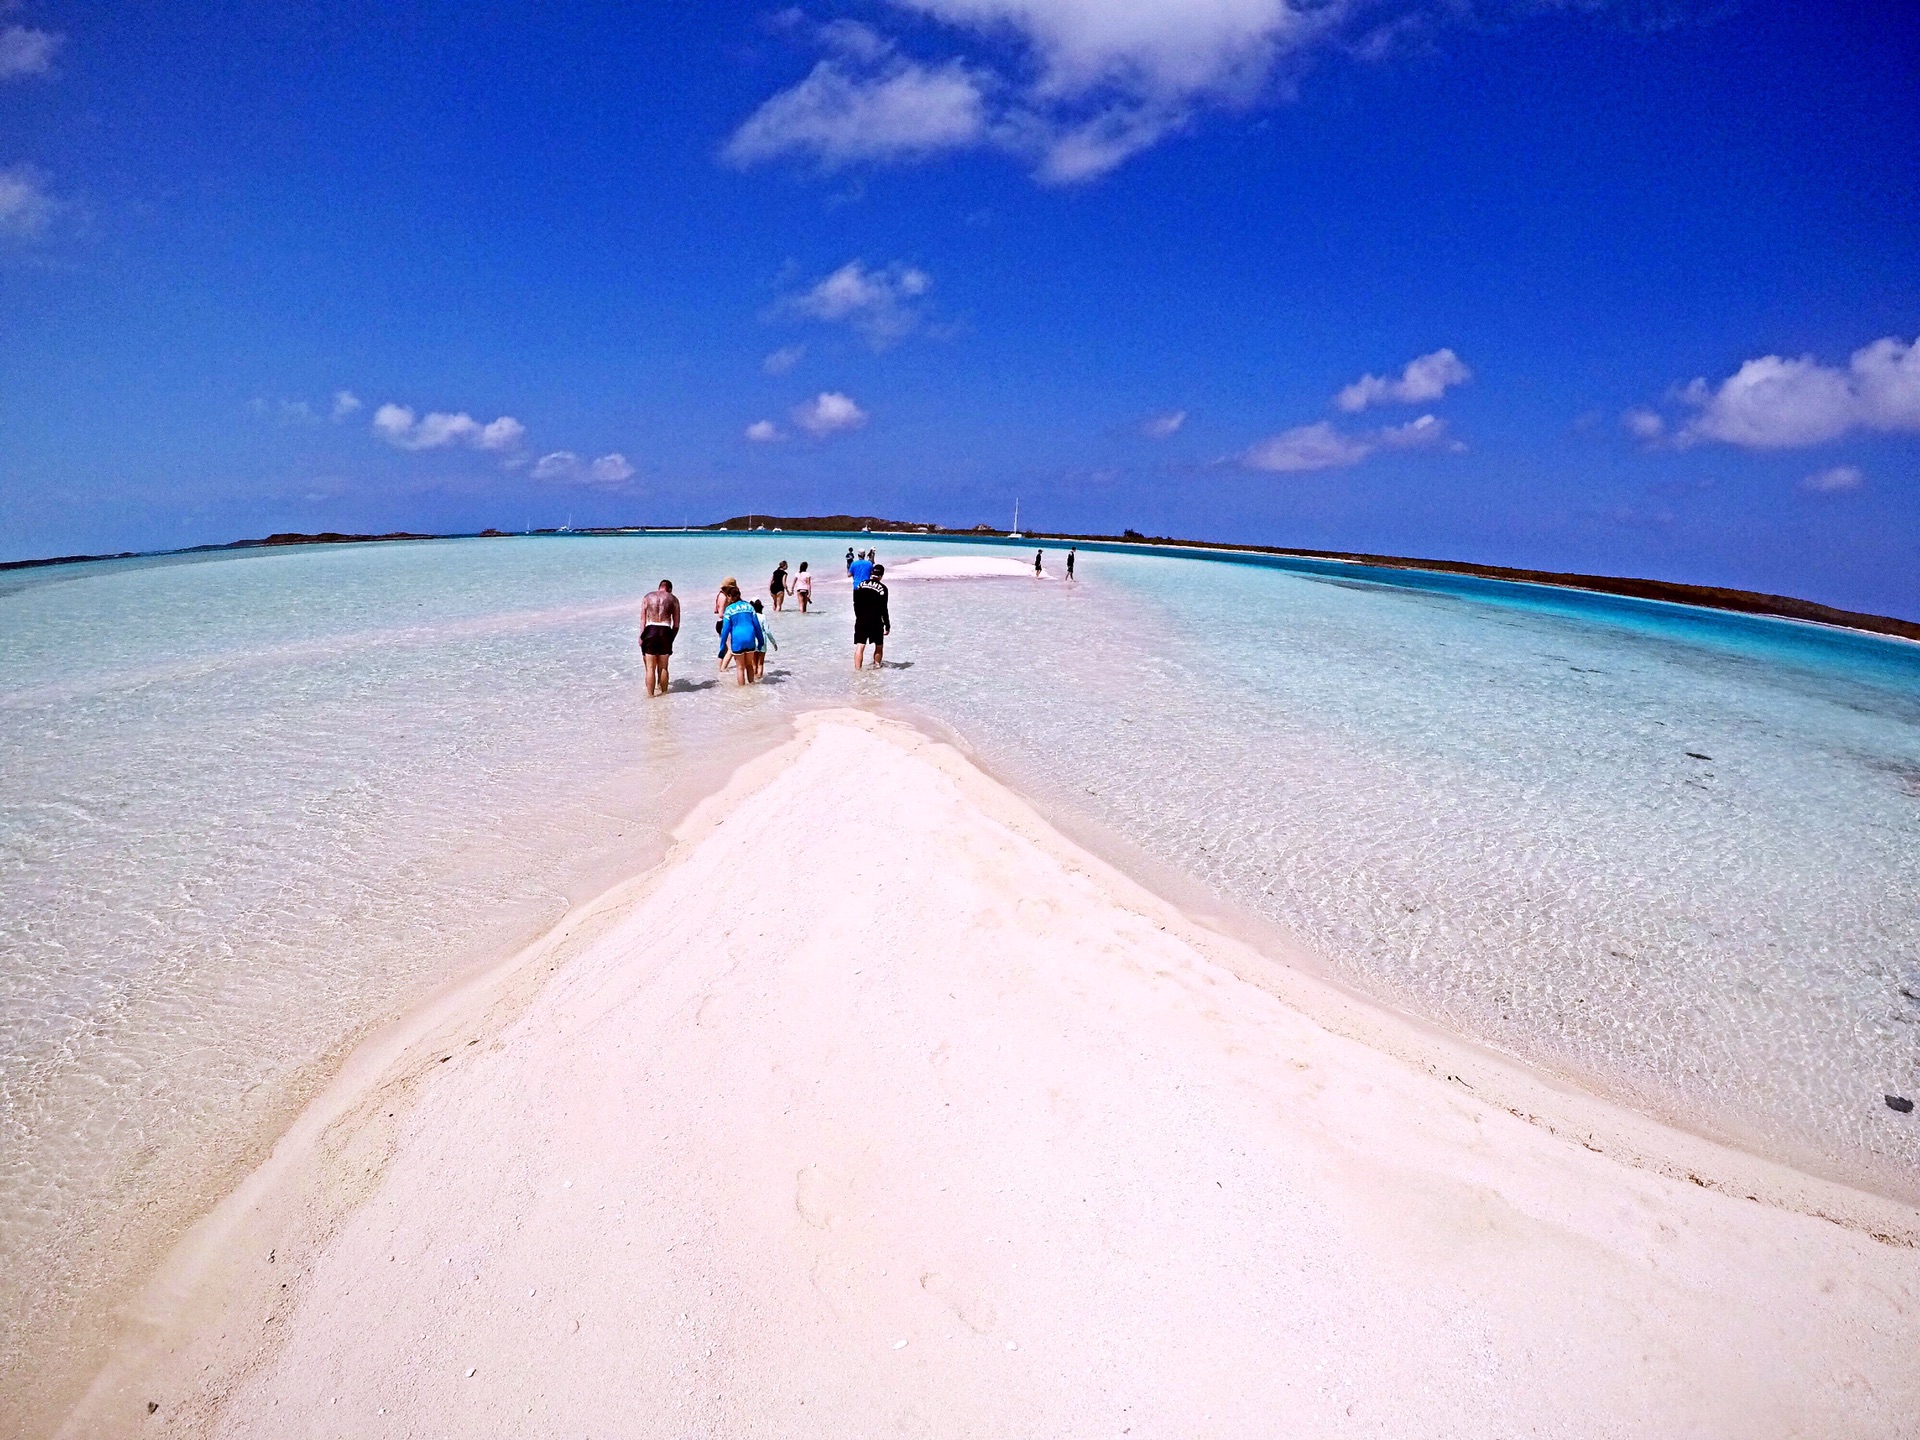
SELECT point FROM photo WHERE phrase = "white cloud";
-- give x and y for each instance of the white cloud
(1429, 432)
(764, 432)
(1834, 479)
(882, 305)
(1644, 424)
(1777, 403)
(828, 413)
(1427, 378)
(845, 112)
(1095, 82)
(397, 425)
(25, 207)
(783, 359)
(564, 467)
(345, 402)
(27, 52)
(1307, 447)
(1072, 87)
(1320, 446)
(1165, 425)
(1168, 47)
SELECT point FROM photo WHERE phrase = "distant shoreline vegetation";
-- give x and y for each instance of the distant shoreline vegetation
(1745, 602)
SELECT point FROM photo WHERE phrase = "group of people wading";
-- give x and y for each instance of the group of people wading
(742, 627)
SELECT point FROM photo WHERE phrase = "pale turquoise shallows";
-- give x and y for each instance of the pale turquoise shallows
(255, 803)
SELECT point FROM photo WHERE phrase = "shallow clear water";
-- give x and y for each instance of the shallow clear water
(255, 803)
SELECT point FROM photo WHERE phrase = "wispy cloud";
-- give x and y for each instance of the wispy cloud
(26, 210)
(397, 425)
(883, 306)
(1320, 446)
(1834, 480)
(1073, 88)
(868, 103)
(828, 413)
(764, 432)
(783, 360)
(1306, 447)
(865, 107)
(1423, 380)
(26, 51)
(345, 403)
(1644, 424)
(1773, 403)
(1093, 83)
(1163, 426)
(564, 467)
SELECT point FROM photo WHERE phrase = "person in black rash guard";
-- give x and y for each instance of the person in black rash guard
(871, 623)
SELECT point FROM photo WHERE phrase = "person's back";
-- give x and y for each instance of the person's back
(870, 619)
(870, 602)
(862, 571)
(660, 607)
(740, 627)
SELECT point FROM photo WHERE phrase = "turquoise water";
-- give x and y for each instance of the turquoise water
(255, 803)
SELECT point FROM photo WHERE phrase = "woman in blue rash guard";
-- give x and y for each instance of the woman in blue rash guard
(741, 635)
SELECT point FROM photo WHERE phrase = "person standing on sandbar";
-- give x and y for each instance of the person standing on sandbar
(659, 624)
(871, 623)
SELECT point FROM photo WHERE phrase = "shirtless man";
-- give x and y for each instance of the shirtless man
(659, 624)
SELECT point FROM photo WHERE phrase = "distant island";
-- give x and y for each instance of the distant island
(1745, 602)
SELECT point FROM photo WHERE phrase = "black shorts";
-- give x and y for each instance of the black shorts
(868, 632)
(656, 640)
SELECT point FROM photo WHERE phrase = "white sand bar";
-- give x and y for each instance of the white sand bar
(964, 567)
(881, 1109)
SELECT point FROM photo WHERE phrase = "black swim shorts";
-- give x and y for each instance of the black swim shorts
(868, 632)
(656, 640)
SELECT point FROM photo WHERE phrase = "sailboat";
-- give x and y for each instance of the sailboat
(1014, 534)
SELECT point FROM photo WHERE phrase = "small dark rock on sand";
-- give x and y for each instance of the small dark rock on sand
(1900, 1103)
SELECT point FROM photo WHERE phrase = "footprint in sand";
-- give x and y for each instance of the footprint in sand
(813, 1195)
(972, 1309)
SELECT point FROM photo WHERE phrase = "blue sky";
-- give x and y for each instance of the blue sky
(1627, 288)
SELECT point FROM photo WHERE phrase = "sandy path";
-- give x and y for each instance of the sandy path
(883, 1111)
(965, 567)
